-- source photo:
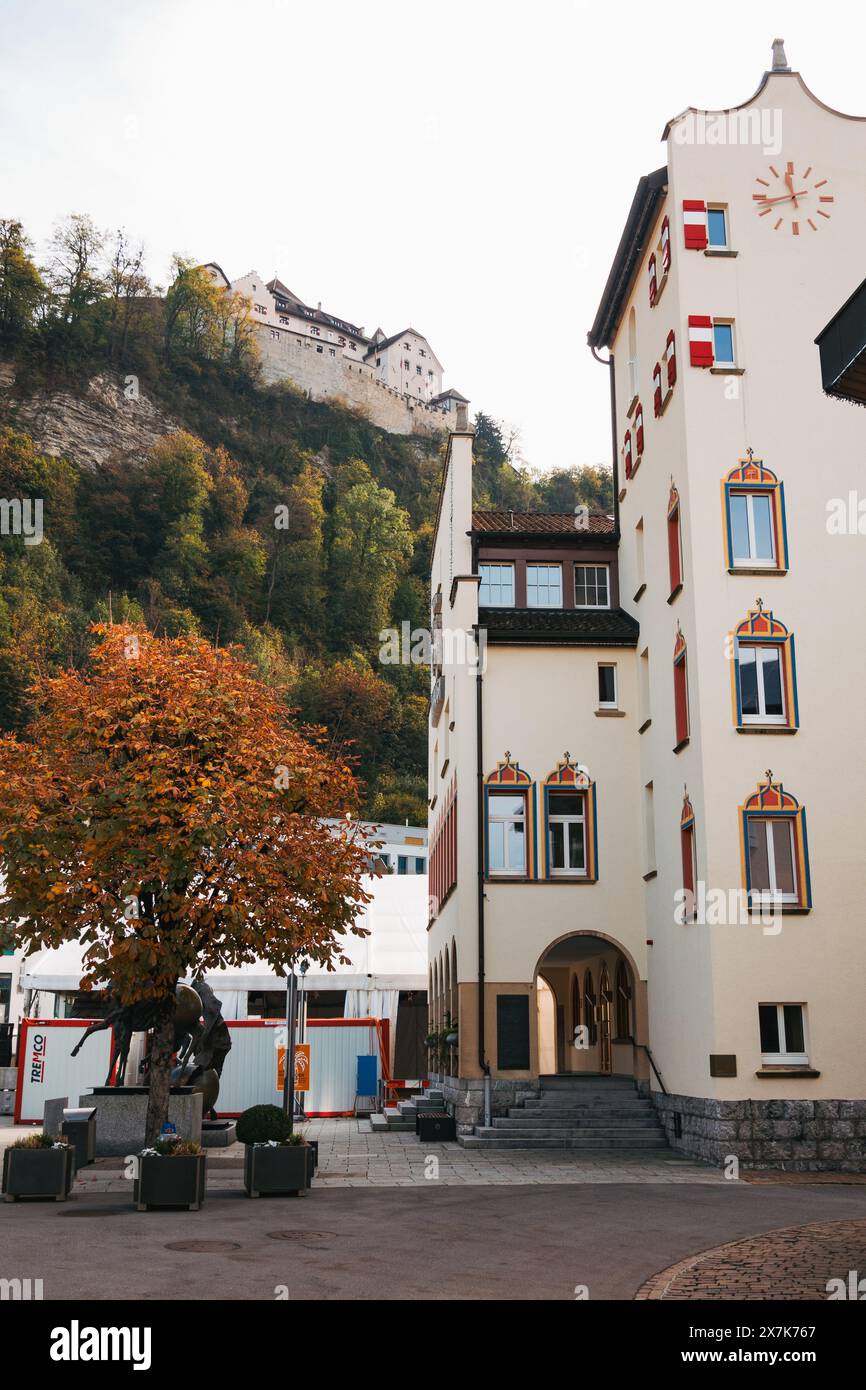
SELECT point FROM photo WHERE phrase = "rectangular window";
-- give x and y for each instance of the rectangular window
(506, 833)
(649, 829)
(687, 850)
(644, 687)
(772, 860)
(420, 866)
(752, 531)
(762, 697)
(717, 229)
(544, 586)
(566, 832)
(675, 562)
(639, 558)
(681, 702)
(607, 697)
(402, 864)
(496, 589)
(591, 587)
(783, 1033)
(723, 344)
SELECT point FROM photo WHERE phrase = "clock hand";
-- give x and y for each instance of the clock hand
(790, 182)
(759, 197)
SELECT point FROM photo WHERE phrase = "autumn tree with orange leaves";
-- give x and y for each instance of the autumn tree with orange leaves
(163, 810)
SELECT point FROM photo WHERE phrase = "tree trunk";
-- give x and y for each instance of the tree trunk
(162, 1049)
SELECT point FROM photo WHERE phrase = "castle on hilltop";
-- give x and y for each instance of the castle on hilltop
(396, 381)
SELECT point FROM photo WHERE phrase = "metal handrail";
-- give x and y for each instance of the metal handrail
(663, 1087)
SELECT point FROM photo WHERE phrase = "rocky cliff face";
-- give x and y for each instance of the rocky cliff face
(103, 422)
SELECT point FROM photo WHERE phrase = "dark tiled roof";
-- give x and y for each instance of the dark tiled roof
(541, 523)
(574, 627)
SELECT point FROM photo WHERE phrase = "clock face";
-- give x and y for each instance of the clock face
(793, 198)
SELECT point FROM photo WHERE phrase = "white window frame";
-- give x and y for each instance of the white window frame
(762, 650)
(586, 567)
(614, 703)
(772, 894)
(496, 565)
(726, 244)
(499, 793)
(752, 560)
(793, 1058)
(547, 585)
(565, 821)
(726, 362)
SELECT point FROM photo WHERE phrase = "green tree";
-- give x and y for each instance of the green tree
(371, 542)
(21, 287)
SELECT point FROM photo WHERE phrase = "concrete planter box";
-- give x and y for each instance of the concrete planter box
(171, 1181)
(281, 1168)
(46, 1173)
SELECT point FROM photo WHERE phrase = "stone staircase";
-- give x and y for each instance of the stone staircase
(593, 1114)
(400, 1118)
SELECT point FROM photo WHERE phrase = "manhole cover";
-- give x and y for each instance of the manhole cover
(310, 1236)
(204, 1247)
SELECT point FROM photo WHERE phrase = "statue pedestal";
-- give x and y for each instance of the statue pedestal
(121, 1112)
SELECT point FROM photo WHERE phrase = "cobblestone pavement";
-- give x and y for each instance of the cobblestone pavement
(796, 1263)
(350, 1155)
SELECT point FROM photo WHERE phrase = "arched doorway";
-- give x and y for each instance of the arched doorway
(586, 1009)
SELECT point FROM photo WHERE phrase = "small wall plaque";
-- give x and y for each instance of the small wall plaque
(723, 1064)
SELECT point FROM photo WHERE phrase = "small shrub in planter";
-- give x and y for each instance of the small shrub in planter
(173, 1174)
(42, 1165)
(277, 1159)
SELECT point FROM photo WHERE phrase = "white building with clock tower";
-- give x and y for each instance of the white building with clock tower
(714, 876)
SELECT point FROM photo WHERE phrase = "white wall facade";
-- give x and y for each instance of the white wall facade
(706, 982)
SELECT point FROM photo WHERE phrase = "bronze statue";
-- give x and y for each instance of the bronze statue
(201, 1038)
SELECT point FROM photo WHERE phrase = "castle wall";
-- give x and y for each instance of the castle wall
(327, 374)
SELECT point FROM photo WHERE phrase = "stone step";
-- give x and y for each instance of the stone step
(508, 1127)
(576, 1122)
(492, 1139)
(570, 1105)
(589, 1078)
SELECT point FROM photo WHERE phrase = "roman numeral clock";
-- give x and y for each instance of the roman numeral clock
(793, 201)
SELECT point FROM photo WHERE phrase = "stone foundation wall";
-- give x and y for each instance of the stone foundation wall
(464, 1097)
(795, 1135)
(291, 358)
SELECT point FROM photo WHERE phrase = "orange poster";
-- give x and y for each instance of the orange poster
(302, 1067)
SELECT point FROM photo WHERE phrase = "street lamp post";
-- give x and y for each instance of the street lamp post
(302, 1028)
(289, 1071)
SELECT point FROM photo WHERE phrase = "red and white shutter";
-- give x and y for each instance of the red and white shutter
(694, 224)
(626, 453)
(700, 340)
(666, 245)
(657, 389)
(671, 358)
(653, 279)
(638, 429)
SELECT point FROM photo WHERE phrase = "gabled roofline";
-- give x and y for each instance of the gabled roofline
(725, 110)
(641, 219)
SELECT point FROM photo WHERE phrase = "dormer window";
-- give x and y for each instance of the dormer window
(544, 586)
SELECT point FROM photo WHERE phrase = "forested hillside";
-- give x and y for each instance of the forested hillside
(294, 528)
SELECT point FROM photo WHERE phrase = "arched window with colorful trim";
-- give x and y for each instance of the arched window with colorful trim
(681, 692)
(675, 546)
(570, 846)
(754, 515)
(509, 822)
(689, 859)
(764, 674)
(775, 849)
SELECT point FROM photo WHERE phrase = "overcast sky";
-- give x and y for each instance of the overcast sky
(465, 168)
